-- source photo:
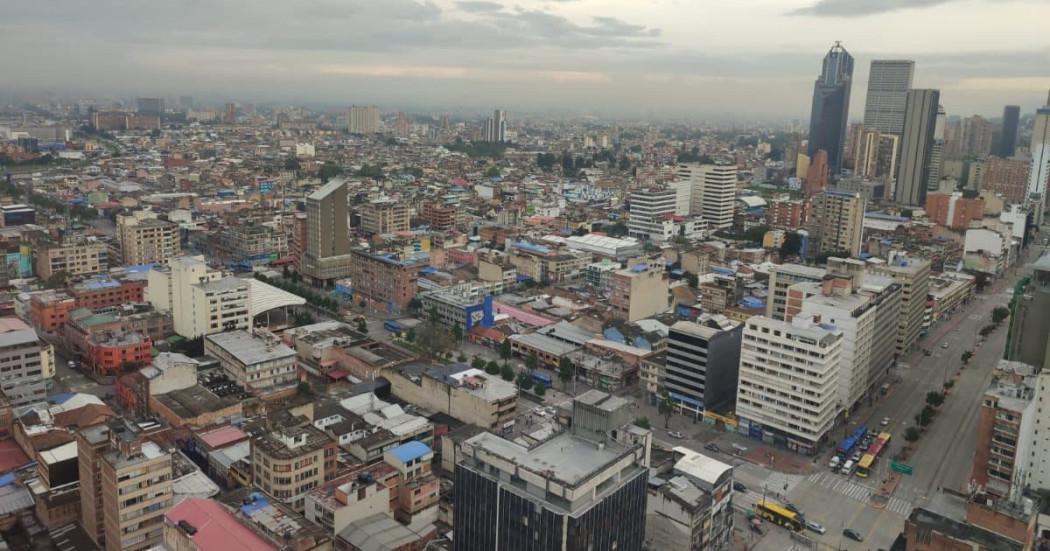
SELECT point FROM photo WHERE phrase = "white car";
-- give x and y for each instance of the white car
(674, 434)
(885, 421)
(816, 527)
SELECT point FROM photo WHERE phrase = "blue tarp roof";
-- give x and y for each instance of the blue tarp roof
(61, 398)
(753, 302)
(7, 479)
(410, 451)
(258, 502)
(427, 270)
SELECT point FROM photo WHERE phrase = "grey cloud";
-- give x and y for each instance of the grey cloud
(857, 8)
(479, 6)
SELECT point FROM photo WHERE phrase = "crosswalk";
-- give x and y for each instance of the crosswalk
(857, 491)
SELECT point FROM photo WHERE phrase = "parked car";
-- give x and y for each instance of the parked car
(815, 527)
(711, 447)
(885, 421)
(674, 434)
(834, 464)
(852, 534)
(791, 507)
(739, 487)
(945, 346)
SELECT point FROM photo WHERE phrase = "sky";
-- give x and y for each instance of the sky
(692, 59)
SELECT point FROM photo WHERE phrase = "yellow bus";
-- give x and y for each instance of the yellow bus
(878, 446)
(777, 514)
(864, 466)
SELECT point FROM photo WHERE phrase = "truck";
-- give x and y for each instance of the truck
(834, 464)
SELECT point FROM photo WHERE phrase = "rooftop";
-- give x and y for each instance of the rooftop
(380, 532)
(927, 520)
(249, 349)
(194, 401)
(216, 528)
(410, 451)
(544, 343)
(565, 458)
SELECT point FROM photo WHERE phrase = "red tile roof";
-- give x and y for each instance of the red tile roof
(222, 436)
(11, 456)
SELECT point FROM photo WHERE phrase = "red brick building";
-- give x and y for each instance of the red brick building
(1007, 177)
(103, 292)
(953, 211)
(49, 310)
(384, 282)
(108, 352)
(787, 214)
(438, 216)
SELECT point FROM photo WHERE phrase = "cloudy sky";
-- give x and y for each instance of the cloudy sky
(735, 59)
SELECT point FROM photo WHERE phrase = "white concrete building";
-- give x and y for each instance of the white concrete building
(201, 300)
(650, 208)
(789, 381)
(259, 363)
(21, 355)
(719, 195)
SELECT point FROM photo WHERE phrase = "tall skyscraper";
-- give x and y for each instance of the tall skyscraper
(327, 256)
(888, 83)
(1008, 137)
(718, 195)
(496, 129)
(827, 121)
(933, 177)
(977, 136)
(920, 125)
(1040, 147)
(363, 119)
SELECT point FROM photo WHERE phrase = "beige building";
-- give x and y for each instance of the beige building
(290, 461)
(639, 292)
(76, 259)
(261, 364)
(387, 216)
(144, 238)
(202, 301)
(913, 274)
(326, 256)
(363, 119)
(458, 390)
(838, 221)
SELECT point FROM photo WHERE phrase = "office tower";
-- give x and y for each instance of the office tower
(327, 256)
(977, 136)
(384, 216)
(889, 153)
(1008, 136)
(719, 194)
(953, 138)
(1029, 325)
(817, 175)
(649, 209)
(230, 113)
(913, 274)
(363, 119)
(837, 221)
(1040, 148)
(683, 190)
(888, 83)
(23, 355)
(827, 122)
(149, 106)
(772, 399)
(508, 495)
(496, 127)
(920, 124)
(783, 276)
(933, 178)
(701, 363)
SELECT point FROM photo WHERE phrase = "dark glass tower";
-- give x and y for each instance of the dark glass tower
(827, 120)
(1008, 142)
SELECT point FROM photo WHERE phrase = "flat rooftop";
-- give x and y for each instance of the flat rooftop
(566, 458)
(193, 401)
(249, 349)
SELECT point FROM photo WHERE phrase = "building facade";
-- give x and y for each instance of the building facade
(917, 141)
(828, 116)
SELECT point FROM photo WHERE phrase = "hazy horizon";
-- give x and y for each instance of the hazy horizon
(746, 60)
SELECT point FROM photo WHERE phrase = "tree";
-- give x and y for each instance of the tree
(987, 330)
(981, 281)
(566, 371)
(966, 356)
(433, 315)
(666, 407)
(410, 336)
(292, 163)
(532, 362)
(505, 350)
(492, 368)
(642, 422)
(539, 390)
(693, 279)
(57, 280)
(524, 381)
(362, 326)
(912, 434)
(507, 373)
(304, 388)
(492, 172)
(477, 363)
(462, 357)
(999, 314)
(457, 333)
(286, 272)
(415, 304)
(756, 234)
(934, 398)
(925, 417)
(328, 171)
(792, 245)
(128, 367)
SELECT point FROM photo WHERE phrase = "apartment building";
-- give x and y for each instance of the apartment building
(639, 291)
(1007, 431)
(202, 301)
(386, 282)
(913, 275)
(144, 238)
(77, 259)
(782, 276)
(288, 462)
(838, 221)
(22, 359)
(386, 216)
(789, 381)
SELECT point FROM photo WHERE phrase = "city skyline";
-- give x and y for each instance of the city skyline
(581, 56)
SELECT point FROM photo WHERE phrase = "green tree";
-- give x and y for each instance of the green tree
(756, 234)
(433, 315)
(566, 371)
(492, 368)
(539, 390)
(642, 422)
(457, 333)
(57, 280)
(912, 434)
(292, 163)
(328, 171)
(934, 398)
(524, 381)
(792, 245)
(505, 350)
(477, 363)
(410, 335)
(966, 356)
(666, 407)
(128, 367)
(987, 330)
(999, 314)
(492, 172)
(461, 358)
(304, 388)
(925, 417)
(507, 373)
(415, 304)
(532, 361)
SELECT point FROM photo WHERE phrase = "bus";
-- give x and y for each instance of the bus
(778, 514)
(880, 443)
(848, 443)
